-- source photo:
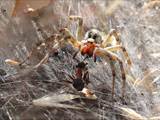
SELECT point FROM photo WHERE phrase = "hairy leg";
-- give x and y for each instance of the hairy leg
(108, 55)
(69, 38)
(79, 34)
(117, 48)
(109, 38)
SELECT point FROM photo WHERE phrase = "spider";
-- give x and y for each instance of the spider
(97, 44)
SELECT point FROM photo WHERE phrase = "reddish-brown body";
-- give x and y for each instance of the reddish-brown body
(88, 49)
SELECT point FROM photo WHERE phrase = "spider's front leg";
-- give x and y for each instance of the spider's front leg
(68, 38)
(118, 45)
(109, 56)
(109, 38)
(79, 33)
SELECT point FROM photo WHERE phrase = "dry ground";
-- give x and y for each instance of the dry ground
(140, 33)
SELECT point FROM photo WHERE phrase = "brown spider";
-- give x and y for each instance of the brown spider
(101, 47)
(96, 44)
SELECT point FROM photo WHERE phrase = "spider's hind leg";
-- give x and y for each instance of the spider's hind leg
(112, 58)
(113, 75)
(108, 55)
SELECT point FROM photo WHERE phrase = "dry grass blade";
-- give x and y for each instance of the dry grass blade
(155, 118)
(130, 79)
(28, 70)
(155, 55)
(156, 79)
(147, 81)
(12, 62)
(44, 56)
(53, 101)
(113, 6)
(58, 105)
(131, 114)
(59, 97)
(42, 61)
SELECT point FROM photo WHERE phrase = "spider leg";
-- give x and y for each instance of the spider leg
(113, 75)
(120, 47)
(108, 55)
(68, 38)
(109, 38)
(79, 34)
(75, 54)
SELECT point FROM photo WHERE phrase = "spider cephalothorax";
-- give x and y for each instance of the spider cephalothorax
(88, 47)
(94, 34)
